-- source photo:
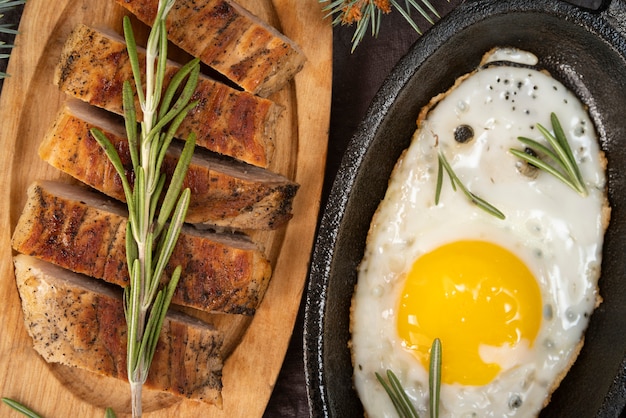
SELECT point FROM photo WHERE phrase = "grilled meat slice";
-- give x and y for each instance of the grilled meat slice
(79, 230)
(78, 321)
(224, 192)
(94, 66)
(229, 39)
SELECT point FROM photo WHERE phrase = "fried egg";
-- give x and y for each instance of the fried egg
(509, 297)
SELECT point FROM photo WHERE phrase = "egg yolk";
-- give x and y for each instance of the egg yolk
(469, 294)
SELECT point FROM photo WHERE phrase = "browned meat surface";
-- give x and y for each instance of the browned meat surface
(229, 39)
(94, 66)
(78, 321)
(224, 192)
(79, 230)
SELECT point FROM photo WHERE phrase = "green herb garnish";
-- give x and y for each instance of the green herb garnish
(398, 395)
(455, 181)
(434, 377)
(152, 231)
(558, 151)
(24, 410)
(364, 12)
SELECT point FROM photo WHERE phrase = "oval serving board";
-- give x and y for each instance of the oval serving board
(257, 345)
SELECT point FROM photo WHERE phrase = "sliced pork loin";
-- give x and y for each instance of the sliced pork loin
(224, 192)
(77, 321)
(229, 39)
(80, 230)
(94, 65)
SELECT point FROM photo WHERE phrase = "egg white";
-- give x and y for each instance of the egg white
(557, 233)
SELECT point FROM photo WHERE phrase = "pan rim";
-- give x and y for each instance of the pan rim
(329, 232)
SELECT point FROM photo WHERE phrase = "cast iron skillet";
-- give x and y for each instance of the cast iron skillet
(583, 49)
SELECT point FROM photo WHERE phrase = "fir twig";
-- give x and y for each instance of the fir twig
(364, 13)
(7, 29)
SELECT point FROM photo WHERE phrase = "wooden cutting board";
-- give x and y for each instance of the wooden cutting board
(28, 105)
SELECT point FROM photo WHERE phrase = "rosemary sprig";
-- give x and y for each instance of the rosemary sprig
(24, 410)
(152, 232)
(397, 394)
(455, 181)
(560, 152)
(366, 12)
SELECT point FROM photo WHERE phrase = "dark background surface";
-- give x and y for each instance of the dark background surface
(357, 77)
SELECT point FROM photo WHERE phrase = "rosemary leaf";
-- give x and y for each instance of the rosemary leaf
(478, 201)
(131, 45)
(403, 398)
(434, 377)
(20, 408)
(108, 413)
(539, 163)
(176, 183)
(193, 70)
(115, 159)
(398, 396)
(539, 147)
(130, 121)
(439, 181)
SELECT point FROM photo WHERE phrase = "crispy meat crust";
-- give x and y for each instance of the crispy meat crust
(224, 192)
(229, 39)
(75, 229)
(94, 66)
(76, 321)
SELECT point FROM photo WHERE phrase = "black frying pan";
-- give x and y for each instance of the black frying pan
(582, 47)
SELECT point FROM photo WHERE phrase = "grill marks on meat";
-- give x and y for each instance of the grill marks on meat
(94, 66)
(229, 39)
(78, 230)
(76, 321)
(224, 192)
